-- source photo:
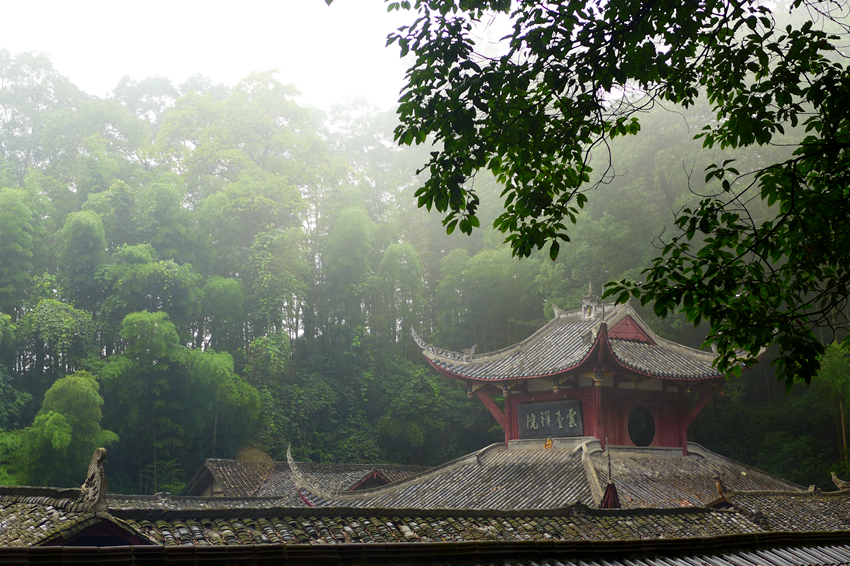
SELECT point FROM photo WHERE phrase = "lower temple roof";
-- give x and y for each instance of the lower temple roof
(170, 521)
(526, 476)
(806, 511)
(496, 500)
(779, 549)
(664, 478)
(236, 479)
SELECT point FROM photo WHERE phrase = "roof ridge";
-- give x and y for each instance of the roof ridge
(574, 509)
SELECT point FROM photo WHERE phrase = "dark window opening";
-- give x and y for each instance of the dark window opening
(641, 427)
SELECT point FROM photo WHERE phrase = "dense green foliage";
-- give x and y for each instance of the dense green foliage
(190, 271)
(764, 254)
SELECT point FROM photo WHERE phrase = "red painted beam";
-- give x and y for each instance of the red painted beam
(494, 409)
(705, 395)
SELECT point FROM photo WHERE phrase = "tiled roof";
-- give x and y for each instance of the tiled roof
(239, 480)
(340, 476)
(33, 515)
(336, 526)
(757, 549)
(657, 477)
(560, 345)
(27, 520)
(662, 360)
(806, 511)
(566, 341)
(27, 523)
(515, 478)
(809, 549)
(234, 478)
(493, 478)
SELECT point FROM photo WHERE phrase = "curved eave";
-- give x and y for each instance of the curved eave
(613, 357)
(554, 373)
(664, 376)
(607, 359)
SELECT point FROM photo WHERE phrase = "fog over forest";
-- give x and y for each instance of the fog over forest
(190, 268)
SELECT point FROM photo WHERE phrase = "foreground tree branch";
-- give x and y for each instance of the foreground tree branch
(574, 74)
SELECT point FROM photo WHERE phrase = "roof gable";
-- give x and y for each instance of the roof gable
(99, 530)
(628, 329)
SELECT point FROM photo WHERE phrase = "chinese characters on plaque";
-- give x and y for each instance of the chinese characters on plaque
(558, 418)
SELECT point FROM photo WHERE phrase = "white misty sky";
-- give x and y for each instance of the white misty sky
(331, 53)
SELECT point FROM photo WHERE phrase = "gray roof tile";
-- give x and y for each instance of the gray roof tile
(565, 342)
(661, 361)
(663, 478)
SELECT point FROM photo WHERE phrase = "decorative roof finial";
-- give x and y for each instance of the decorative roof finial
(589, 303)
(92, 496)
(721, 488)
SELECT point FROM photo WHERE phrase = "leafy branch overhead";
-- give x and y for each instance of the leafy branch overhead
(765, 257)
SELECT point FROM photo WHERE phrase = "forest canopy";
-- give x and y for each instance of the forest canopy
(763, 255)
(190, 270)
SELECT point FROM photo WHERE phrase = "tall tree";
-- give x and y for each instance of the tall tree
(31, 90)
(401, 297)
(65, 432)
(57, 338)
(571, 76)
(16, 248)
(82, 248)
(171, 404)
(347, 268)
(138, 281)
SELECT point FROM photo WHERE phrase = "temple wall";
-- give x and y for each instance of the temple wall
(665, 409)
(617, 404)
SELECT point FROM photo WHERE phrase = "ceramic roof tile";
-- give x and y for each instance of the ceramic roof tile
(566, 341)
(495, 478)
(234, 478)
(796, 511)
(556, 347)
(339, 527)
(239, 480)
(663, 361)
(340, 476)
(26, 524)
(665, 478)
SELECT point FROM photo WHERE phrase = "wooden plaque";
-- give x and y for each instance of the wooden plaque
(544, 420)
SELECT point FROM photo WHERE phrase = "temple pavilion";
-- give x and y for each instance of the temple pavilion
(598, 372)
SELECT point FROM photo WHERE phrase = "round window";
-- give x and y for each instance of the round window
(641, 427)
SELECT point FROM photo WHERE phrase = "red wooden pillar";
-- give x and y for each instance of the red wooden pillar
(597, 382)
(510, 416)
(597, 401)
(705, 394)
(683, 425)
